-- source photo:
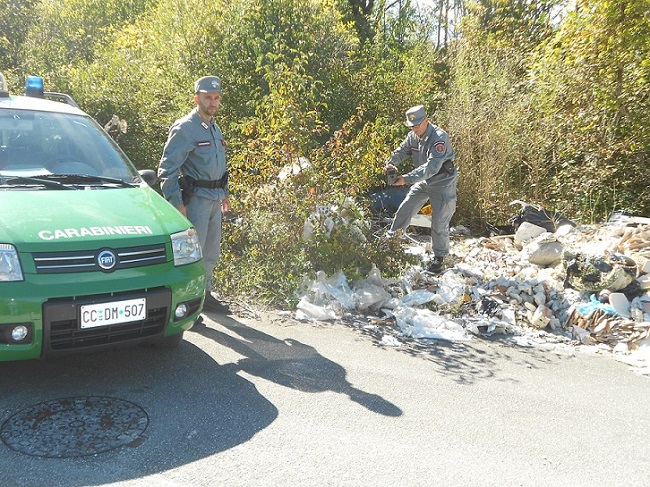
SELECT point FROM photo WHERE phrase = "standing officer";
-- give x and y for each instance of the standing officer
(433, 178)
(195, 177)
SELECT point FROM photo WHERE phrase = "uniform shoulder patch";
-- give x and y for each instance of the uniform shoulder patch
(440, 147)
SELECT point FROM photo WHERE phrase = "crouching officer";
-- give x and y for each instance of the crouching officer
(433, 178)
(195, 177)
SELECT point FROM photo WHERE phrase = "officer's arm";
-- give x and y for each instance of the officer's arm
(437, 153)
(174, 155)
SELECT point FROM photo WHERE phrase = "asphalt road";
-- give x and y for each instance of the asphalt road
(275, 402)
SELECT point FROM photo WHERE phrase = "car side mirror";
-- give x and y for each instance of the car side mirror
(149, 176)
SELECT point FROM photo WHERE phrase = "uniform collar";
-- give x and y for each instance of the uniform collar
(201, 121)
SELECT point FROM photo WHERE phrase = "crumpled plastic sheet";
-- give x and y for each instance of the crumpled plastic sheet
(327, 299)
(452, 287)
(336, 288)
(417, 298)
(309, 311)
(369, 296)
(589, 308)
(390, 341)
(327, 217)
(424, 323)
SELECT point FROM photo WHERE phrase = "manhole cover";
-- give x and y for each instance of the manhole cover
(75, 427)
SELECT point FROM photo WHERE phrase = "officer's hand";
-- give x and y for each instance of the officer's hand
(389, 166)
(400, 181)
(181, 208)
(225, 205)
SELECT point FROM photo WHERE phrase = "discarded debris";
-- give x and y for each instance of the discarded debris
(325, 218)
(579, 285)
(529, 213)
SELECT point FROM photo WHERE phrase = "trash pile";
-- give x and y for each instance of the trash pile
(549, 282)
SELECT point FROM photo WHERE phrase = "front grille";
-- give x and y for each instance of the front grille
(63, 333)
(87, 260)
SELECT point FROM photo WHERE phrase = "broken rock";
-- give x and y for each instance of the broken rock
(544, 251)
(526, 232)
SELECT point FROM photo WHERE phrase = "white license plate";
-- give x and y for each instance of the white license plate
(113, 313)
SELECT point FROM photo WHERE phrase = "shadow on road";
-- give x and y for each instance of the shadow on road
(291, 363)
(469, 362)
(195, 406)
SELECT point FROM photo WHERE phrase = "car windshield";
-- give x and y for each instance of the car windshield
(34, 143)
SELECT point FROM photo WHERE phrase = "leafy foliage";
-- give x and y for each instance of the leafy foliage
(592, 85)
(491, 121)
(549, 109)
(17, 19)
(70, 31)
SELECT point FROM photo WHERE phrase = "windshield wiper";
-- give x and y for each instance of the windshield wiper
(68, 181)
(41, 180)
(87, 178)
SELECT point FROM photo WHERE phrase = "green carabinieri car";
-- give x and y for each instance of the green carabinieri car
(90, 255)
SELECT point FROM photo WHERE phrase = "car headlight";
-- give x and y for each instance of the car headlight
(186, 247)
(10, 269)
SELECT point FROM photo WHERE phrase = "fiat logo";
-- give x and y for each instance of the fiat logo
(106, 260)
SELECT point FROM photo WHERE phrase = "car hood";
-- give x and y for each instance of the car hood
(59, 219)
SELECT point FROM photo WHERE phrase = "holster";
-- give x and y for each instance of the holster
(448, 167)
(186, 184)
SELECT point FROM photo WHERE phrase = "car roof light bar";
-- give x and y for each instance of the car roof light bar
(34, 87)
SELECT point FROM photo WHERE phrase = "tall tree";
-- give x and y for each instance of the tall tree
(592, 82)
(17, 18)
(487, 107)
(362, 11)
(71, 31)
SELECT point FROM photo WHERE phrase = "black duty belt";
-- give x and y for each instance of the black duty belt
(211, 183)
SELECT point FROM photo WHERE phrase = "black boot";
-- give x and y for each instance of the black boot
(214, 305)
(436, 264)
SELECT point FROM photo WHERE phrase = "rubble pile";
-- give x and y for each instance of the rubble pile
(572, 281)
(634, 242)
(603, 327)
(583, 285)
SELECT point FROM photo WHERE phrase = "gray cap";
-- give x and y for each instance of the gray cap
(207, 84)
(415, 115)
